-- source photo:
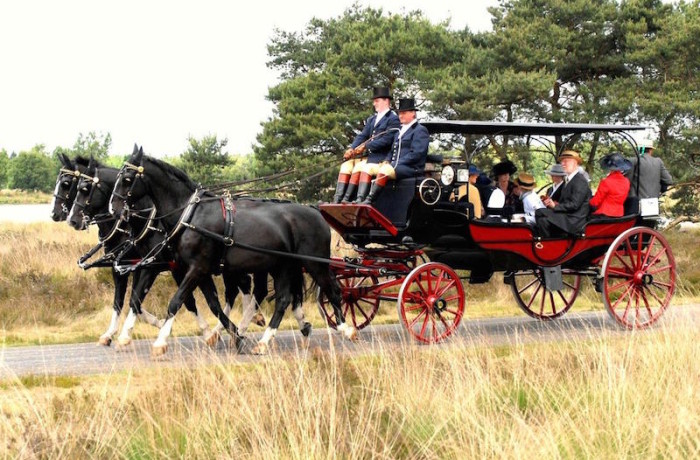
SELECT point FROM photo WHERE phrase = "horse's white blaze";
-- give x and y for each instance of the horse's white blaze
(55, 193)
(113, 324)
(248, 313)
(128, 326)
(164, 333)
(268, 335)
(70, 215)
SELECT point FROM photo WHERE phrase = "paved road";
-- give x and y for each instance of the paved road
(83, 359)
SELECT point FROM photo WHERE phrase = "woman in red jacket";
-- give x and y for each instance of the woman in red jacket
(612, 191)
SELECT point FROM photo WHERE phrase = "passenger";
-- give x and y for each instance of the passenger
(502, 173)
(557, 174)
(381, 122)
(569, 215)
(470, 192)
(408, 151)
(653, 177)
(485, 186)
(609, 199)
(524, 185)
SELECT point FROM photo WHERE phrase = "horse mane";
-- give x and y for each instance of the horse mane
(173, 171)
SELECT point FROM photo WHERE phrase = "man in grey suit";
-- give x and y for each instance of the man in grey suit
(652, 176)
(570, 213)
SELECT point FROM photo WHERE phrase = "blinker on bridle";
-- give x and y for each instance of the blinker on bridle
(139, 173)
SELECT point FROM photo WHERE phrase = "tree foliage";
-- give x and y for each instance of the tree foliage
(92, 144)
(32, 170)
(204, 160)
(4, 165)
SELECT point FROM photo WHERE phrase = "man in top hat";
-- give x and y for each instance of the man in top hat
(524, 186)
(470, 192)
(651, 176)
(409, 151)
(557, 174)
(375, 138)
(569, 215)
(609, 199)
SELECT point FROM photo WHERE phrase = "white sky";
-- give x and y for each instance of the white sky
(155, 72)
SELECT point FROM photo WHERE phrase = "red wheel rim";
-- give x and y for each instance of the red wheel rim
(529, 290)
(639, 278)
(431, 302)
(359, 310)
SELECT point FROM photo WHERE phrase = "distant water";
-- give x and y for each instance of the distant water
(25, 213)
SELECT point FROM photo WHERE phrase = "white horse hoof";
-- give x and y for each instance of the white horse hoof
(259, 320)
(213, 339)
(260, 349)
(104, 342)
(159, 350)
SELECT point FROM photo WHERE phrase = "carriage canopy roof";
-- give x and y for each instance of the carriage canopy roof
(521, 129)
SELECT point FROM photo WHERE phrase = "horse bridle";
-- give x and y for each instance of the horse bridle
(74, 185)
(127, 199)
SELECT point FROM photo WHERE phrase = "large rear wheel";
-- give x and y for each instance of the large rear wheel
(533, 298)
(360, 302)
(431, 302)
(638, 277)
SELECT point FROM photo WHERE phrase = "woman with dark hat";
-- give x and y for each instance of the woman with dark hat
(609, 199)
(502, 173)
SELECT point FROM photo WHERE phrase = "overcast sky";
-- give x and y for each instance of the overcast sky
(155, 72)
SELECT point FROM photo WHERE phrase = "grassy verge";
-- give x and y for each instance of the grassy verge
(607, 397)
(46, 298)
(24, 197)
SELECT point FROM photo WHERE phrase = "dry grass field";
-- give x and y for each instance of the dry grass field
(611, 396)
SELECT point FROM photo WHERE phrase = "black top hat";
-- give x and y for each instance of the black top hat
(504, 167)
(407, 104)
(381, 92)
(615, 162)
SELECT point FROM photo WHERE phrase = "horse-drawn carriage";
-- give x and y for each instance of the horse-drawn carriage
(629, 262)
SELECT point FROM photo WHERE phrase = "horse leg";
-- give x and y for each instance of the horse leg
(297, 310)
(259, 293)
(283, 297)
(232, 284)
(120, 284)
(142, 282)
(206, 285)
(185, 288)
(328, 285)
(191, 304)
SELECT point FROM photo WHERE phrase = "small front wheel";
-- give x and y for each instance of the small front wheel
(431, 302)
(638, 277)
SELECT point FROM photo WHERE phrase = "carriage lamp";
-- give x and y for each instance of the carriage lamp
(447, 176)
(463, 175)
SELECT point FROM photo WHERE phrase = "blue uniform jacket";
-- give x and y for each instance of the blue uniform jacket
(379, 147)
(409, 153)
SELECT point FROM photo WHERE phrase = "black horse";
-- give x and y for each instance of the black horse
(66, 186)
(278, 239)
(134, 240)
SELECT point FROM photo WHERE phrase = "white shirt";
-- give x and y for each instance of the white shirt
(379, 116)
(555, 187)
(497, 199)
(405, 127)
(531, 203)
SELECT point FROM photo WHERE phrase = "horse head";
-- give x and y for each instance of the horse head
(93, 192)
(65, 189)
(129, 186)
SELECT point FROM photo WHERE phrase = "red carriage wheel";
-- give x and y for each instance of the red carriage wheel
(533, 298)
(638, 277)
(360, 303)
(431, 302)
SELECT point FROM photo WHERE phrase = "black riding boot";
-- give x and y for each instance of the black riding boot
(339, 192)
(362, 192)
(349, 193)
(376, 190)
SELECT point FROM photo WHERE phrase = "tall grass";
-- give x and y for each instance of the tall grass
(606, 397)
(13, 196)
(46, 298)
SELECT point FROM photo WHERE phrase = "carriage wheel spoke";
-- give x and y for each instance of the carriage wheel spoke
(358, 307)
(661, 303)
(659, 270)
(616, 271)
(425, 323)
(649, 248)
(450, 299)
(617, 286)
(551, 301)
(450, 284)
(528, 285)
(544, 296)
(534, 295)
(566, 301)
(646, 304)
(415, 319)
